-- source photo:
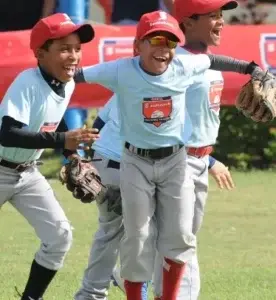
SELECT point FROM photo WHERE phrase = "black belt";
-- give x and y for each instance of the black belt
(112, 164)
(20, 167)
(154, 153)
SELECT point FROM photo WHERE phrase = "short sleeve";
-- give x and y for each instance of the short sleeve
(105, 111)
(17, 100)
(195, 64)
(105, 74)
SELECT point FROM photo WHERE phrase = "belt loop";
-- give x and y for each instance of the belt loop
(131, 148)
(92, 153)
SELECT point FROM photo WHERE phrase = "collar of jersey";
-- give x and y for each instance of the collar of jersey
(57, 86)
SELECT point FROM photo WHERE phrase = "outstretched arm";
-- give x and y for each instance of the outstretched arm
(105, 74)
(230, 64)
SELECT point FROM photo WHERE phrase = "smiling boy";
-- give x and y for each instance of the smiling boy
(151, 102)
(31, 121)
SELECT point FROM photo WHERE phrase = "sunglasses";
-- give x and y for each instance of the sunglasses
(162, 41)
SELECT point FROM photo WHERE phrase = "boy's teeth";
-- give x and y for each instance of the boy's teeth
(160, 58)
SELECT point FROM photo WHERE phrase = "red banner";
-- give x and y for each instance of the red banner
(256, 43)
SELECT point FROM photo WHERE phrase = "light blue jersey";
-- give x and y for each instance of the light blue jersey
(203, 105)
(31, 101)
(151, 108)
(110, 144)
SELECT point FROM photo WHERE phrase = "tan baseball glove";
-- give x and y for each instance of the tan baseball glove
(257, 99)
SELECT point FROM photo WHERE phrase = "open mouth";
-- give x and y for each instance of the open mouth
(216, 32)
(70, 70)
(160, 58)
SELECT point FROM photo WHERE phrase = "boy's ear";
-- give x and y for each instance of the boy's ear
(136, 47)
(39, 54)
(187, 23)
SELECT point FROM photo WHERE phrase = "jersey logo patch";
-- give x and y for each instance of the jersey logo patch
(215, 94)
(268, 51)
(49, 127)
(157, 110)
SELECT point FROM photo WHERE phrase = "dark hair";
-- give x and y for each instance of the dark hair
(181, 25)
(194, 17)
(47, 44)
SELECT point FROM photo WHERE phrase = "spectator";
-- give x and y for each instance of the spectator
(125, 12)
(107, 8)
(22, 15)
(253, 12)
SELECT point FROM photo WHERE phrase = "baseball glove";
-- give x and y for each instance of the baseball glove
(111, 196)
(257, 99)
(82, 179)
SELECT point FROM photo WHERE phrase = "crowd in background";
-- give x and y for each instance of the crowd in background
(19, 15)
(249, 11)
(253, 12)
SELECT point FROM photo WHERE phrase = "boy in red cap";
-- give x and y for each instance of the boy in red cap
(155, 185)
(202, 22)
(31, 121)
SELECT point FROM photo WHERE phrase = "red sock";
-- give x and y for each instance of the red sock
(172, 275)
(133, 290)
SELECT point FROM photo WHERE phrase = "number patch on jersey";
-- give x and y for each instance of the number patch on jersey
(215, 94)
(157, 110)
(49, 127)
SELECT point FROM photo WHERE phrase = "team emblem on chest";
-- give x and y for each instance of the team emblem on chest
(157, 110)
(216, 88)
(49, 127)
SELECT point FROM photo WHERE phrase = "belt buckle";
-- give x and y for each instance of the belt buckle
(158, 154)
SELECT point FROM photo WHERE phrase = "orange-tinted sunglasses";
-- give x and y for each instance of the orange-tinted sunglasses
(162, 41)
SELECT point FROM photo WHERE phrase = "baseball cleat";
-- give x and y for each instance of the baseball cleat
(117, 280)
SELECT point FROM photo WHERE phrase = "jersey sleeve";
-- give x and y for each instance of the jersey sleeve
(105, 111)
(17, 100)
(105, 74)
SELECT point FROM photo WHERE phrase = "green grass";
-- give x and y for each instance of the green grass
(237, 244)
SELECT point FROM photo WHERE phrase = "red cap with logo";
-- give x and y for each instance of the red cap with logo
(187, 8)
(158, 21)
(57, 26)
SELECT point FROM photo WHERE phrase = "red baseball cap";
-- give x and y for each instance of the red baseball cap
(158, 21)
(57, 26)
(187, 8)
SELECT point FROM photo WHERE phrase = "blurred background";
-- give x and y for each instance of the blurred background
(250, 33)
(237, 247)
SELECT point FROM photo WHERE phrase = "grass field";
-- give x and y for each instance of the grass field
(237, 244)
